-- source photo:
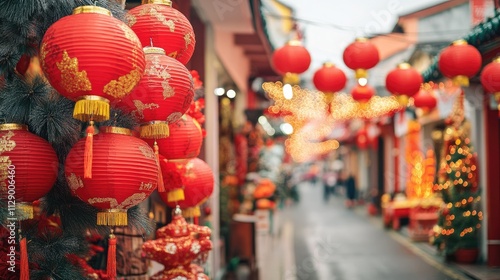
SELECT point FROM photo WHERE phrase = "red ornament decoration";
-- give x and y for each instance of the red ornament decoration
(290, 60)
(362, 93)
(360, 56)
(329, 79)
(460, 61)
(92, 58)
(155, 21)
(362, 139)
(403, 82)
(490, 79)
(125, 173)
(23, 64)
(28, 167)
(424, 99)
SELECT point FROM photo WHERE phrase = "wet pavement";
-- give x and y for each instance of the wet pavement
(331, 242)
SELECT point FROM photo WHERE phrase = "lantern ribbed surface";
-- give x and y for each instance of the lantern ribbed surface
(197, 182)
(362, 93)
(184, 142)
(329, 78)
(164, 93)
(92, 54)
(404, 80)
(125, 172)
(31, 160)
(165, 27)
(291, 58)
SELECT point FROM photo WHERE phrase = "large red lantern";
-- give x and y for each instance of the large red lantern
(184, 142)
(362, 93)
(404, 82)
(460, 61)
(28, 167)
(290, 60)
(329, 79)
(163, 95)
(125, 173)
(360, 56)
(155, 21)
(490, 79)
(92, 58)
(424, 99)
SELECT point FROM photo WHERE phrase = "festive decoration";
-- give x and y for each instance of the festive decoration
(490, 79)
(362, 138)
(125, 173)
(403, 82)
(157, 22)
(74, 58)
(362, 94)
(460, 61)
(264, 189)
(360, 56)
(290, 60)
(28, 167)
(329, 79)
(425, 99)
(162, 96)
(172, 172)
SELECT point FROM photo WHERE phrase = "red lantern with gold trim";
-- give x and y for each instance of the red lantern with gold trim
(460, 61)
(362, 93)
(163, 95)
(184, 142)
(403, 82)
(424, 99)
(290, 60)
(360, 56)
(490, 79)
(125, 173)
(157, 22)
(92, 58)
(329, 79)
(28, 167)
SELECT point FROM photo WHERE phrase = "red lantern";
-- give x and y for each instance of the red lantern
(425, 100)
(163, 95)
(184, 142)
(28, 167)
(362, 93)
(155, 21)
(360, 56)
(329, 79)
(125, 173)
(404, 82)
(290, 60)
(362, 139)
(490, 79)
(460, 61)
(92, 58)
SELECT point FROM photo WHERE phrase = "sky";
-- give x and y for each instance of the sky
(329, 26)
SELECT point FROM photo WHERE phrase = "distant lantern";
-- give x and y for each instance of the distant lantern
(329, 79)
(403, 82)
(362, 93)
(360, 56)
(460, 61)
(290, 60)
(425, 100)
(490, 79)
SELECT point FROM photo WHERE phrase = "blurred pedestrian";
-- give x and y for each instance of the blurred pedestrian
(350, 185)
(329, 183)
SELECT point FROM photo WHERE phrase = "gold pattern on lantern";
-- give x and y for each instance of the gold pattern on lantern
(132, 200)
(168, 91)
(174, 116)
(146, 186)
(6, 144)
(159, 16)
(72, 80)
(147, 152)
(188, 37)
(75, 182)
(141, 107)
(43, 54)
(131, 20)
(96, 200)
(4, 172)
(173, 54)
(161, 71)
(124, 85)
(129, 34)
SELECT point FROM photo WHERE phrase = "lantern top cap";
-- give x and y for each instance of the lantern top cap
(294, 42)
(91, 10)
(404, 65)
(13, 126)
(459, 42)
(361, 39)
(177, 210)
(154, 50)
(162, 2)
(115, 130)
(328, 64)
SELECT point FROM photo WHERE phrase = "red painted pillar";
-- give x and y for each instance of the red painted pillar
(396, 164)
(492, 125)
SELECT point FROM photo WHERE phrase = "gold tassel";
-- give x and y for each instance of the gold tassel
(24, 211)
(112, 217)
(111, 260)
(461, 80)
(91, 108)
(403, 100)
(88, 154)
(175, 195)
(291, 79)
(360, 73)
(161, 185)
(154, 130)
(191, 212)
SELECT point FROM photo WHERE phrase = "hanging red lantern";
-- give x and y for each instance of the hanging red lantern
(155, 21)
(362, 139)
(424, 99)
(28, 167)
(290, 60)
(163, 95)
(184, 142)
(403, 82)
(92, 58)
(360, 56)
(125, 173)
(329, 79)
(362, 93)
(460, 61)
(490, 79)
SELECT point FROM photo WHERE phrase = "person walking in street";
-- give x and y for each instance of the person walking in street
(350, 185)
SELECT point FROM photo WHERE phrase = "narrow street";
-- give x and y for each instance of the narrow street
(332, 242)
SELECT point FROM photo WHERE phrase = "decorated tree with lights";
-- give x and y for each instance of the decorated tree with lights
(460, 220)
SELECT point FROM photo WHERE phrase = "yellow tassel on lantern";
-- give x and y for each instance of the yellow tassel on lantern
(154, 130)
(175, 195)
(161, 185)
(461, 80)
(24, 211)
(403, 100)
(291, 78)
(91, 107)
(112, 217)
(191, 212)
(111, 261)
(361, 73)
(328, 97)
(88, 154)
